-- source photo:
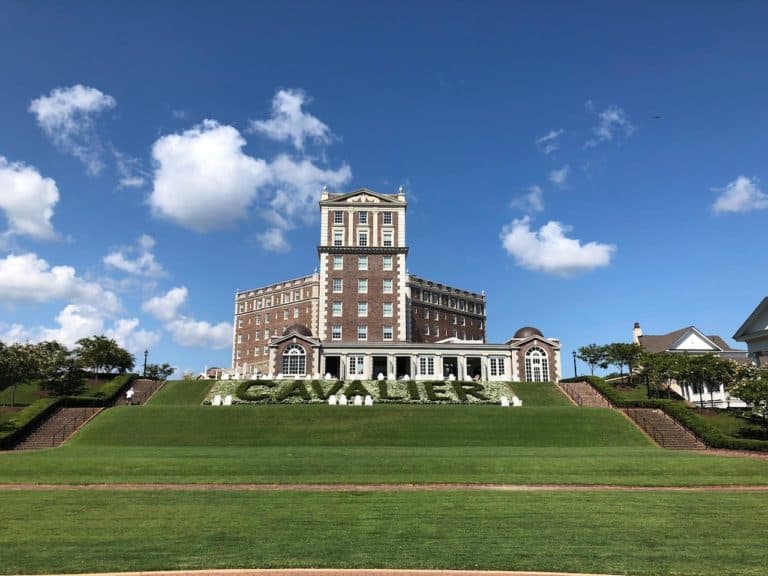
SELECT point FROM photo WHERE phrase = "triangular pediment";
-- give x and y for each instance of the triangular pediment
(364, 196)
(294, 337)
(693, 340)
(756, 324)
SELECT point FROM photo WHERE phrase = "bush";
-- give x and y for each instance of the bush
(26, 419)
(244, 393)
(684, 415)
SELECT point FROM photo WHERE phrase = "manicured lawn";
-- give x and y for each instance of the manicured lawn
(393, 443)
(732, 424)
(539, 394)
(182, 393)
(25, 394)
(629, 533)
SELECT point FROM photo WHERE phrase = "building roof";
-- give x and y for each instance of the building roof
(665, 342)
(526, 331)
(751, 326)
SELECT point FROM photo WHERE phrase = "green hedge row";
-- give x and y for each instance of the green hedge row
(711, 436)
(19, 425)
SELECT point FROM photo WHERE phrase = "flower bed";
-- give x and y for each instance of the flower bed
(391, 392)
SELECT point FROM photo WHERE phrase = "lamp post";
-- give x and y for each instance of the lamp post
(575, 373)
(144, 375)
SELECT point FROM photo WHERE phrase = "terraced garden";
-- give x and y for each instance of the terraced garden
(547, 441)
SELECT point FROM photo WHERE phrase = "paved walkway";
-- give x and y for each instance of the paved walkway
(384, 487)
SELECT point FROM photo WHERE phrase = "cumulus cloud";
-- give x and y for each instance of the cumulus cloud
(273, 240)
(67, 116)
(127, 334)
(28, 278)
(550, 142)
(186, 330)
(203, 180)
(741, 195)
(143, 264)
(611, 121)
(533, 201)
(129, 169)
(560, 175)
(549, 250)
(75, 321)
(27, 199)
(290, 123)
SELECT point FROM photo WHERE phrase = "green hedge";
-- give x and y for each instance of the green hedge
(106, 394)
(686, 416)
(25, 419)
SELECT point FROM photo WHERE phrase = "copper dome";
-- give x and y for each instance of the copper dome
(528, 331)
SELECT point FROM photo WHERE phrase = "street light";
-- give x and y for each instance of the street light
(575, 373)
(144, 375)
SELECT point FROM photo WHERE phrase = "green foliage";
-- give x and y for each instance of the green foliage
(356, 388)
(159, 371)
(103, 355)
(322, 393)
(752, 387)
(594, 355)
(16, 428)
(295, 389)
(465, 389)
(244, 391)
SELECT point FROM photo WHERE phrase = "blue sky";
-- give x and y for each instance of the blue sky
(587, 165)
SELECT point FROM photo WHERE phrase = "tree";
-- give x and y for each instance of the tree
(159, 372)
(103, 355)
(593, 355)
(752, 387)
(622, 354)
(18, 364)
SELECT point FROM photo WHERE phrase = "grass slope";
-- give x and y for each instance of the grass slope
(643, 533)
(395, 443)
(181, 393)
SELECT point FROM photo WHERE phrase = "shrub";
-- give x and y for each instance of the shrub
(26, 419)
(296, 388)
(318, 389)
(244, 391)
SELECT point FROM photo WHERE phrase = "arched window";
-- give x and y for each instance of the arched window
(294, 360)
(536, 365)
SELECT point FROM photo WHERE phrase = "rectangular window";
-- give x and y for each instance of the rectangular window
(426, 329)
(266, 334)
(453, 302)
(454, 333)
(427, 365)
(462, 304)
(258, 319)
(387, 238)
(437, 330)
(387, 310)
(295, 311)
(356, 365)
(241, 308)
(362, 262)
(338, 237)
(362, 332)
(435, 298)
(387, 263)
(387, 333)
(387, 217)
(362, 309)
(268, 301)
(497, 365)
(239, 338)
(265, 351)
(266, 318)
(453, 318)
(362, 286)
(463, 321)
(239, 322)
(362, 238)
(296, 295)
(338, 217)
(387, 286)
(437, 315)
(336, 309)
(259, 304)
(362, 217)
(337, 285)
(424, 296)
(338, 262)
(336, 332)
(285, 314)
(426, 313)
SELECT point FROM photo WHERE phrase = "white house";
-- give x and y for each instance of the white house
(754, 332)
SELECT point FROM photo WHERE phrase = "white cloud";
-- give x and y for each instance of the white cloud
(273, 240)
(203, 180)
(613, 120)
(741, 195)
(186, 330)
(28, 278)
(550, 251)
(550, 142)
(144, 264)
(76, 321)
(290, 122)
(67, 115)
(533, 201)
(298, 185)
(132, 175)
(126, 333)
(27, 199)
(560, 176)
(166, 307)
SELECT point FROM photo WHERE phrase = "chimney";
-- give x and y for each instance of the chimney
(636, 333)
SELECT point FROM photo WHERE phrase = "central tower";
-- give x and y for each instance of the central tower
(363, 279)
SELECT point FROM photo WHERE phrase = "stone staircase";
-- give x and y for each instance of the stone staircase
(583, 394)
(57, 427)
(143, 389)
(664, 430)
